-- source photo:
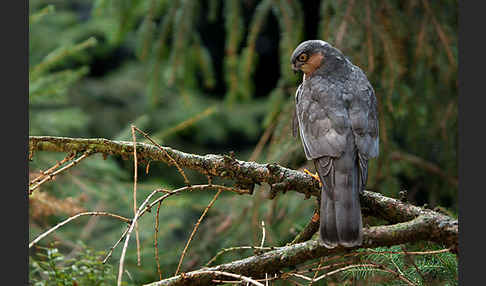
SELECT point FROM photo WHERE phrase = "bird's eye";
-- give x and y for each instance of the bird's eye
(303, 57)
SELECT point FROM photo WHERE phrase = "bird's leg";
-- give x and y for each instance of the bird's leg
(315, 176)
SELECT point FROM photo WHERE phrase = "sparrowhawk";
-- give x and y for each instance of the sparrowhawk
(337, 119)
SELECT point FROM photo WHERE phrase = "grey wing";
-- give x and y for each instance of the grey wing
(323, 120)
(363, 113)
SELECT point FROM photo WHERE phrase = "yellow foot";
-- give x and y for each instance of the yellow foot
(315, 176)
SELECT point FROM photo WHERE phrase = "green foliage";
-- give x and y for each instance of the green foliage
(50, 267)
(424, 269)
(234, 30)
(289, 14)
(50, 76)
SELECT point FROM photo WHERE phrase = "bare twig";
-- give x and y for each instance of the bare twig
(193, 188)
(195, 229)
(342, 269)
(237, 276)
(412, 252)
(317, 272)
(266, 279)
(128, 274)
(127, 238)
(115, 245)
(124, 219)
(263, 234)
(413, 263)
(51, 176)
(135, 177)
(156, 247)
(170, 193)
(221, 252)
(301, 276)
(85, 233)
(400, 272)
(167, 154)
(69, 157)
(320, 267)
(400, 276)
(236, 282)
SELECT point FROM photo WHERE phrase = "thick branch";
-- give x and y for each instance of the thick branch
(280, 178)
(249, 173)
(424, 227)
(412, 223)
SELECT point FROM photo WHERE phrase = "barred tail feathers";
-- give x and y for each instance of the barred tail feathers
(340, 213)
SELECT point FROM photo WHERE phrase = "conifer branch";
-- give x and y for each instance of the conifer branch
(440, 228)
(411, 223)
(272, 262)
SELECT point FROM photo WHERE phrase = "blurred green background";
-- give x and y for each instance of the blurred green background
(214, 76)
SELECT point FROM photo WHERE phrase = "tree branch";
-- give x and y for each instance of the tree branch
(244, 173)
(411, 223)
(281, 179)
(421, 228)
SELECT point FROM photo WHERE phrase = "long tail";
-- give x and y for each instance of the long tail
(340, 216)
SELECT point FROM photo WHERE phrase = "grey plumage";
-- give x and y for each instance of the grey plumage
(337, 120)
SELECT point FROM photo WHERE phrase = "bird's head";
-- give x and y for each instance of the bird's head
(312, 55)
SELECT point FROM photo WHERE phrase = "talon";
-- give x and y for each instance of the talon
(315, 176)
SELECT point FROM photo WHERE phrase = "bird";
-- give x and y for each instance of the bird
(336, 117)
